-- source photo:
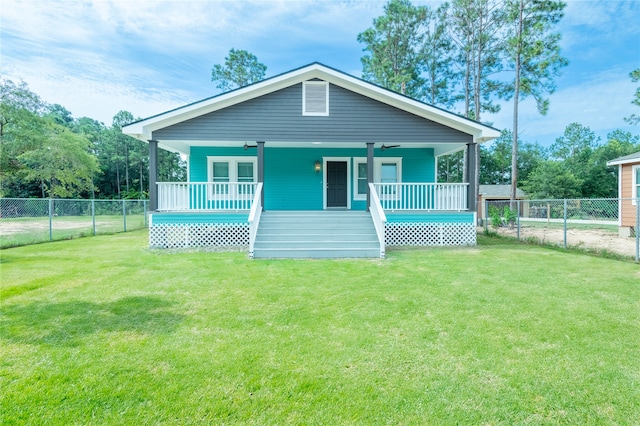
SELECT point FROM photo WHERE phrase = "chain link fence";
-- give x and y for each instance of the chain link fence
(607, 224)
(26, 221)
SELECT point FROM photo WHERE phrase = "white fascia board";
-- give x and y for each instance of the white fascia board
(621, 162)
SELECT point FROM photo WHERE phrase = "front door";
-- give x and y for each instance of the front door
(336, 183)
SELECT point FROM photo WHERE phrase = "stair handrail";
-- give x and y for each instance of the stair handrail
(254, 217)
(378, 216)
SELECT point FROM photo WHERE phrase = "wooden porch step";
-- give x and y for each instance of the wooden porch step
(316, 234)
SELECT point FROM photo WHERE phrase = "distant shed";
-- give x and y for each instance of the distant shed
(498, 195)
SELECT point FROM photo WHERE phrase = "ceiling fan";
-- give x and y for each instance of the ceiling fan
(383, 147)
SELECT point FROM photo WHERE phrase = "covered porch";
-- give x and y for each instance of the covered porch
(315, 176)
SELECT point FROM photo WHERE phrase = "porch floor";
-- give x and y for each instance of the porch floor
(316, 234)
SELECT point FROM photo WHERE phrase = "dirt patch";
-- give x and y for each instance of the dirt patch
(581, 238)
(38, 226)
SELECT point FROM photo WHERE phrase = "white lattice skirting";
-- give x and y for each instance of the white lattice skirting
(429, 234)
(199, 235)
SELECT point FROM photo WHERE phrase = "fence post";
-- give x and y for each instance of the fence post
(637, 230)
(124, 215)
(518, 218)
(486, 216)
(144, 210)
(93, 215)
(50, 219)
(565, 223)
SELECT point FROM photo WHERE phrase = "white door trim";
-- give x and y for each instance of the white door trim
(325, 160)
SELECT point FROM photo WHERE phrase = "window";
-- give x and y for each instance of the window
(389, 173)
(361, 178)
(385, 170)
(231, 170)
(315, 98)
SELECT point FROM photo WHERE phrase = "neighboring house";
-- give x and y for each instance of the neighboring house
(311, 163)
(628, 183)
(496, 195)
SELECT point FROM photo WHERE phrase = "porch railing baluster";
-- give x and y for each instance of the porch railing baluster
(422, 196)
(205, 196)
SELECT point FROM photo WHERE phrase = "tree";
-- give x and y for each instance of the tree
(16, 103)
(394, 44)
(435, 57)
(20, 131)
(534, 53)
(601, 180)
(61, 164)
(634, 119)
(530, 156)
(240, 69)
(551, 180)
(575, 145)
(496, 160)
(451, 167)
(59, 114)
(574, 150)
(475, 26)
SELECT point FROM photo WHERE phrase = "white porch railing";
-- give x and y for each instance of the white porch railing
(422, 196)
(254, 217)
(378, 216)
(202, 196)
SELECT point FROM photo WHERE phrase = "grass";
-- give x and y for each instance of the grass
(16, 232)
(104, 331)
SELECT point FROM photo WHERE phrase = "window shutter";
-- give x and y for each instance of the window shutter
(316, 98)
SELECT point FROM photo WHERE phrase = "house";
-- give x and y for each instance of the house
(311, 163)
(628, 183)
(496, 195)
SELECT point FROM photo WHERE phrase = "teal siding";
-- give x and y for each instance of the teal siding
(291, 182)
(190, 218)
(198, 171)
(457, 217)
(417, 165)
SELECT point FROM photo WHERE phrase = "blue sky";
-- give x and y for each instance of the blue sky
(98, 57)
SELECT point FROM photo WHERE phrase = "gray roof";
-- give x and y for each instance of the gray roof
(631, 158)
(500, 191)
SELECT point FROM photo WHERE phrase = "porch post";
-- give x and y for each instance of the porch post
(470, 172)
(369, 171)
(260, 150)
(153, 175)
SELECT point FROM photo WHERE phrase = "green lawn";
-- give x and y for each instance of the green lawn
(104, 331)
(33, 230)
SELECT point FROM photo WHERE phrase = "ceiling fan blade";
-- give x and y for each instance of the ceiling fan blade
(383, 147)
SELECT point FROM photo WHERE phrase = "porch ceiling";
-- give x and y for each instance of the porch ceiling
(184, 147)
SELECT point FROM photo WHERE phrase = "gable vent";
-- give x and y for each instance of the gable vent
(315, 98)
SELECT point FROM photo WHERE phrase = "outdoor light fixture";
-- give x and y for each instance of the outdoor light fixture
(317, 166)
(247, 146)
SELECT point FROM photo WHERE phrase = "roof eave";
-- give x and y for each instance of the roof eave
(623, 162)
